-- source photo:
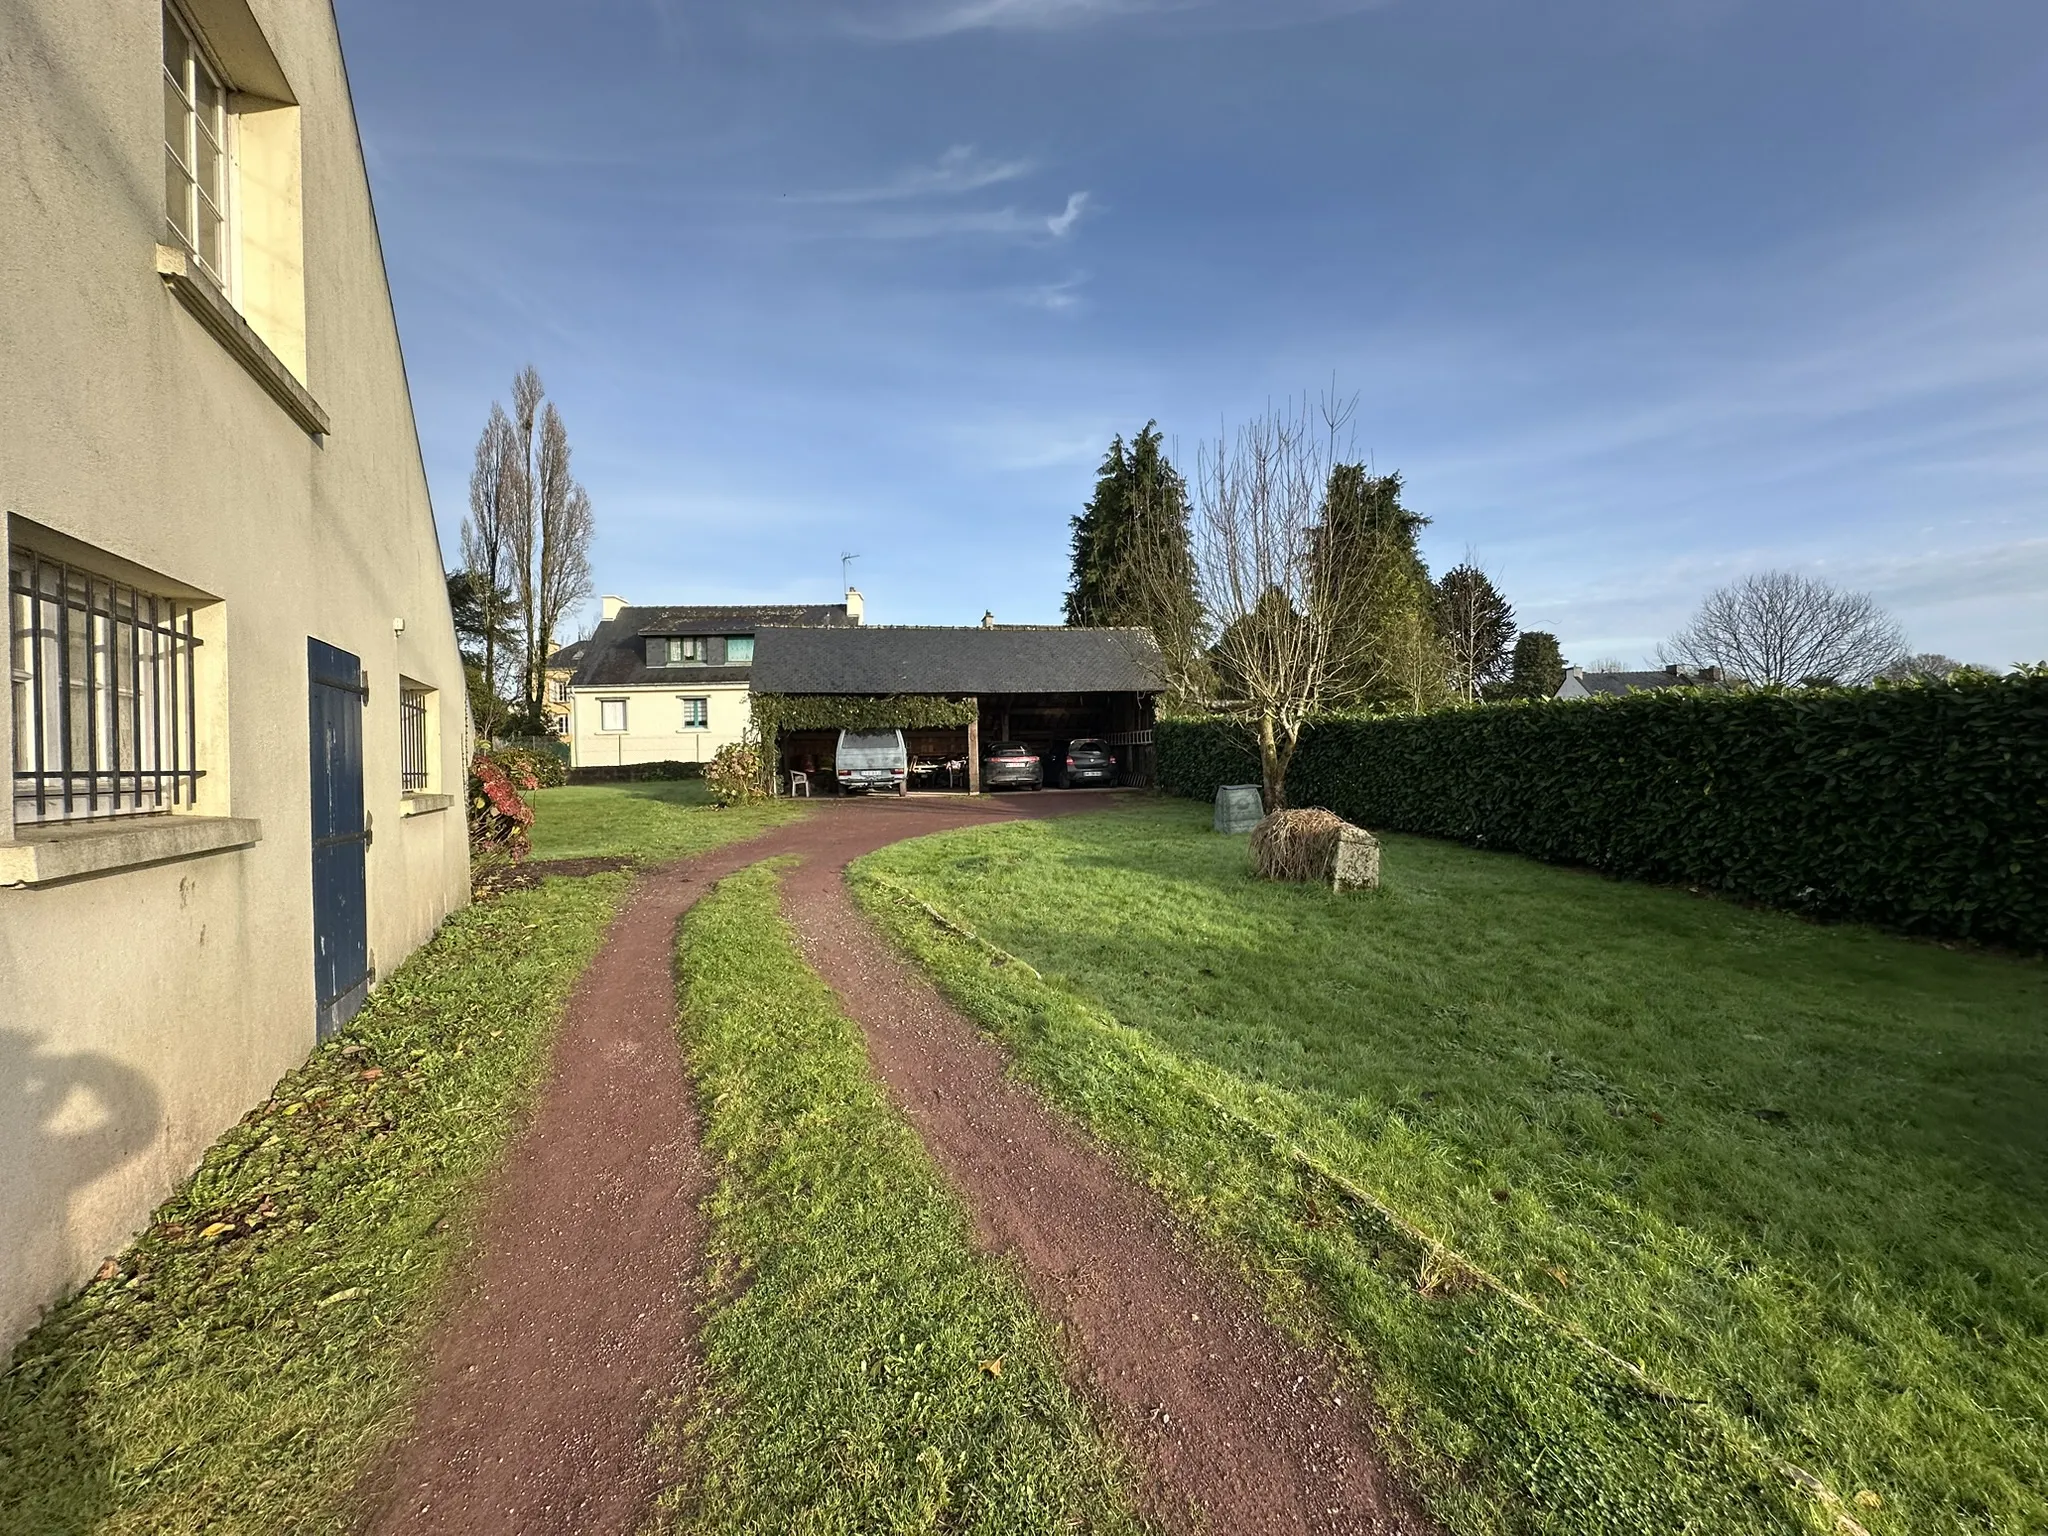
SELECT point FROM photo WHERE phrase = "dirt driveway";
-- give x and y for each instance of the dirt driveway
(576, 1320)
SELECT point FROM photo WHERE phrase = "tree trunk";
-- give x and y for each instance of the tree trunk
(1274, 756)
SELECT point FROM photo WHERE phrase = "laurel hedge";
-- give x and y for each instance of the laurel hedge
(1922, 807)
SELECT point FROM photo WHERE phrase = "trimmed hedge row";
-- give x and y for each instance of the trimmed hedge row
(636, 773)
(1923, 808)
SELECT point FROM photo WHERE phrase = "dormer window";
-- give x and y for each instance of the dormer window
(677, 651)
(739, 649)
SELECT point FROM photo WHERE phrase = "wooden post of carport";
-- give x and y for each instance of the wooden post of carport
(974, 749)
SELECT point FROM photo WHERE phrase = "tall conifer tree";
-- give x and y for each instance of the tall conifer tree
(1138, 514)
(1384, 594)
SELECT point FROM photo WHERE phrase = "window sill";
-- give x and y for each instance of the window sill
(45, 855)
(420, 805)
(209, 306)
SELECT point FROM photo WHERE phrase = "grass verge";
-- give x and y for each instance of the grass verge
(649, 822)
(865, 1368)
(241, 1364)
(1796, 1174)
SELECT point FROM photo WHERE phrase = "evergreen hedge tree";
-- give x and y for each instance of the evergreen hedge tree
(1137, 516)
(1538, 668)
(1384, 591)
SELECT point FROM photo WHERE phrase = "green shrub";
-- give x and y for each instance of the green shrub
(1922, 807)
(635, 773)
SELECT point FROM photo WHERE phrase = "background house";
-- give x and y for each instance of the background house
(1580, 684)
(236, 716)
(560, 672)
(672, 684)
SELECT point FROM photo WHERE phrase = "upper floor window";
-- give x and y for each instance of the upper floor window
(105, 722)
(739, 649)
(558, 690)
(195, 151)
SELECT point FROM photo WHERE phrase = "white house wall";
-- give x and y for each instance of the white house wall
(144, 1010)
(654, 723)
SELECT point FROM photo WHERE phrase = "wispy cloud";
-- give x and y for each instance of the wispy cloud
(915, 20)
(1064, 220)
(959, 170)
(1056, 297)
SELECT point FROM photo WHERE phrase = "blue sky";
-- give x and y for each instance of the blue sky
(1639, 295)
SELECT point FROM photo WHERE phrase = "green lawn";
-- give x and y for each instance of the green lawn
(260, 1343)
(1799, 1173)
(865, 1369)
(649, 822)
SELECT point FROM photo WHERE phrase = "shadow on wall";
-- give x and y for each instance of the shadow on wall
(66, 1121)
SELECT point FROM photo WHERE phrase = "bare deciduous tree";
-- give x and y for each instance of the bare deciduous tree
(1781, 627)
(562, 573)
(495, 497)
(1928, 667)
(548, 524)
(527, 394)
(1269, 584)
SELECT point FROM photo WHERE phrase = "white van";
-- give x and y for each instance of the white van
(870, 761)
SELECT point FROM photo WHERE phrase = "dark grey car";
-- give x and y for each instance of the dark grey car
(1087, 760)
(1011, 765)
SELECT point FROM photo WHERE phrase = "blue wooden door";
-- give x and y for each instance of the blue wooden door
(341, 833)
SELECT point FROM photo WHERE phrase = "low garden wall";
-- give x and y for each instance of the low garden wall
(1922, 808)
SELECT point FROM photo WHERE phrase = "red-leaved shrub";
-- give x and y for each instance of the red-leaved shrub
(498, 816)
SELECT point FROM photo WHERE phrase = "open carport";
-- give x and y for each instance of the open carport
(953, 691)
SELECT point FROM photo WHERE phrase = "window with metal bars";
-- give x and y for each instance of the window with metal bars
(195, 150)
(412, 740)
(104, 711)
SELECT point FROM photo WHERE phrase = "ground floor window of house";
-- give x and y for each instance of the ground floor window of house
(412, 738)
(696, 714)
(611, 714)
(103, 705)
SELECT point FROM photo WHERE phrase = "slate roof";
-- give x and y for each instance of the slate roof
(567, 656)
(879, 659)
(728, 620)
(1618, 683)
(615, 656)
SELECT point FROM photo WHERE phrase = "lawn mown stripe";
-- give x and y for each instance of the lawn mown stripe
(864, 1368)
(650, 822)
(244, 1362)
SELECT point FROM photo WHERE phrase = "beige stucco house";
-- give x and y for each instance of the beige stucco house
(674, 684)
(236, 720)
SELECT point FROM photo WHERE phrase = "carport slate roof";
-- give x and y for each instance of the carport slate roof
(883, 659)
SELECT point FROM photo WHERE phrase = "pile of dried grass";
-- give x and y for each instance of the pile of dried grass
(1313, 845)
(1295, 845)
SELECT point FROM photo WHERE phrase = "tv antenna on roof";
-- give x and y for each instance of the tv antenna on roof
(846, 569)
